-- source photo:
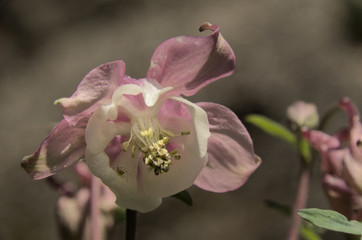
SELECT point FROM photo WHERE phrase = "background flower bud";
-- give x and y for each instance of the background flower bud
(303, 114)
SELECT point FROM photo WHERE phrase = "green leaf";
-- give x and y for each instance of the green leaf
(184, 196)
(284, 209)
(309, 234)
(271, 127)
(331, 220)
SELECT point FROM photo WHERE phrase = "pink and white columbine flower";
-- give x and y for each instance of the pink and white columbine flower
(342, 163)
(141, 138)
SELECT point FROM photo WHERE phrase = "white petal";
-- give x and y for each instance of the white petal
(100, 131)
(192, 148)
(151, 91)
(201, 124)
(131, 89)
(123, 186)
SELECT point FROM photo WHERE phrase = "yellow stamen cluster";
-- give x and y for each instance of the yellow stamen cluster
(157, 156)
(152, 143)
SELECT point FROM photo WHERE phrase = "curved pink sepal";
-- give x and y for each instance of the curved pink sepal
(231, 158)
(98, 84)
(189, 63)
(320, 140)
(63, 147)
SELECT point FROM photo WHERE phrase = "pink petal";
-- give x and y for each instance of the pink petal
(98, 84)
(231, 158)
(174, 109)
(332, 161)
(336, 184)
(340, 195)
(64, 146)
(347, 105)
(355, 127)
(114, 148)
(83, 172)
(353, 172)
(189, 63)
(320, 140)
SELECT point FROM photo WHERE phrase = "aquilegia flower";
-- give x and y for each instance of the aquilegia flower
(141, 138)
(342, 163)
(74, 210)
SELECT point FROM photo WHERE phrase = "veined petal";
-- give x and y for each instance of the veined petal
(124, 186)
(63, 147)
(95, 86)
(231, 158)
(192, 149)
(189, 63)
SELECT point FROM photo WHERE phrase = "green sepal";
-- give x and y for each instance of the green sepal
(184, 196)
(119, 214)
(331, 220)
(271, 127)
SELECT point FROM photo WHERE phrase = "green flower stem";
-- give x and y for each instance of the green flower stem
(328, 116)
(300, 201)
(131, 219)
(94, 209)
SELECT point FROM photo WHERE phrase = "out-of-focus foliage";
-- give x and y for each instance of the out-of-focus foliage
(331, 220)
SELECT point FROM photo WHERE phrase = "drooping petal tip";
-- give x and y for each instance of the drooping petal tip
(58, 101)
(208, 26)
(63, 147)
(347, 105)
(189, 63)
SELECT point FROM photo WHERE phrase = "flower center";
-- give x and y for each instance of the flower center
(148, 137)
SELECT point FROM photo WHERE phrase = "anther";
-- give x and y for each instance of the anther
(125, 146)
(133, 150)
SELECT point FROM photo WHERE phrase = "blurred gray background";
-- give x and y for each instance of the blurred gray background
(286, 50)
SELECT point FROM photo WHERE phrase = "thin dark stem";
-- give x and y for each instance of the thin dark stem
(328, 116)
(300, 202)
(131, 219)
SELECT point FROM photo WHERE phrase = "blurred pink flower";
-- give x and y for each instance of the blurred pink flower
(73, 212)
(342, 164)
(141, 138)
